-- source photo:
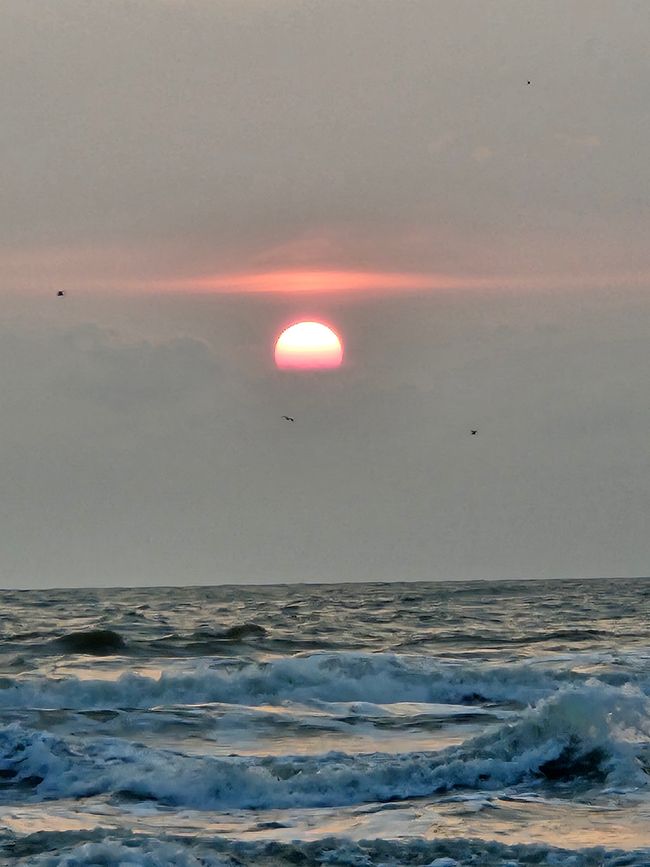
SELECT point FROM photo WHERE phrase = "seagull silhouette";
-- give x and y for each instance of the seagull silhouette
(288, 418)
(60, 293)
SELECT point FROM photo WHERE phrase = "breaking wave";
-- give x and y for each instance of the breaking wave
(587, 735)
(88, 849)
(346, 677)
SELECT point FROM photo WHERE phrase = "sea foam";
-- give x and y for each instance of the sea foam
(89, 849)
(377, 678)
(593, 734)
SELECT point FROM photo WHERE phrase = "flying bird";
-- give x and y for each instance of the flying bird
(60, 293)
(474, 432)
(288, 418)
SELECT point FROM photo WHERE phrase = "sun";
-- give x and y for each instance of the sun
(308, 346)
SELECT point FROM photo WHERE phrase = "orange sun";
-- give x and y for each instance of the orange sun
(308, 346)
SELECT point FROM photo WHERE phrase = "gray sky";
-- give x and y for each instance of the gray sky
(164, 161)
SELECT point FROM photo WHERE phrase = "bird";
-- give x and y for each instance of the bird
(288, 418)
(474, 432)
(60, 293)
(528, 82)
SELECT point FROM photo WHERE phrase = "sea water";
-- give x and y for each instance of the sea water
(482, 723)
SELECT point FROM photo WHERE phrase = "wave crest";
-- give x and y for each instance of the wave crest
(377, 678)
(589, 733)
(90, 848)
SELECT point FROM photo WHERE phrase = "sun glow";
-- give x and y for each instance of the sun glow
(308, 346)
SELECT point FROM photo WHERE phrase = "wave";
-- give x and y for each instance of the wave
(347, 677)
(588, 735)
(90, 848)
(104, 641)
(96, 642)
(238, 632)
(482, 638)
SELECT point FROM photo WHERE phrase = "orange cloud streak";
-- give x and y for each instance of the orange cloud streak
(129, 269)
(333, 281)
(319, 281)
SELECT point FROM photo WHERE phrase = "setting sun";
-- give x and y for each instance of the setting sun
(308, 346)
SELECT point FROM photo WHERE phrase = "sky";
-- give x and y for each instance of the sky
(460, 189)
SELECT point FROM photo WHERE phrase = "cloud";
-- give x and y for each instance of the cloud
(328, 281)
(93, 365)
(94, 372)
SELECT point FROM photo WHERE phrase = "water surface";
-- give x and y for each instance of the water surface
(379, 724)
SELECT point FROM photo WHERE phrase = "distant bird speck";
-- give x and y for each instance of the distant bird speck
(474, 432)
(60, 293)
(288, 418)
(528, 82)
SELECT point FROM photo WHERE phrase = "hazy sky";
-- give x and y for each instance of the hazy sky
(199, 173)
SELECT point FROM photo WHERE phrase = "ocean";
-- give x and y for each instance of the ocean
(443, 724)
